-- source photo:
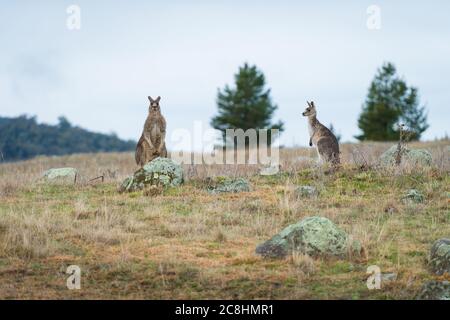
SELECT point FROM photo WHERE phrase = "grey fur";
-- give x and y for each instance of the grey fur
(325, 141)
(152, 142)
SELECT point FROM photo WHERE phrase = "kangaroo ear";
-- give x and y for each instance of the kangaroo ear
(312, 104)
(157, 99)
(150, 99)
(309, 104)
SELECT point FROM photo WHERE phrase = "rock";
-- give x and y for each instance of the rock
(412, 157)
(435, 290)
(388, 277)
(306, 191)
(315, 236)
(158, 172)
(413, 195)
(61, 175)
(439, 258)
(225, 184)
(419, 157)
(270, 171)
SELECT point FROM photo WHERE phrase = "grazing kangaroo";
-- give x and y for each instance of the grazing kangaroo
(152, 142)
(320, 136)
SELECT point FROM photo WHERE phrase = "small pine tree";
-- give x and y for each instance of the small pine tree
(246, 106)
(390, 102)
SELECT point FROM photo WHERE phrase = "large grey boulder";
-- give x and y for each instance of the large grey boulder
(60, 175)
(158, 172)
(439, 258)
(225, 184)
(412, 157)
(435, 290)
(315, 236)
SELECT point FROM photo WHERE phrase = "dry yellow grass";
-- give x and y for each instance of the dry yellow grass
(187, 243)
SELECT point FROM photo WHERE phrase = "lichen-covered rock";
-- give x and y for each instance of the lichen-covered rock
(419, 156)
(413, 196)
(306, 191)
(435, 290)
(412, 157)
(60, 175)
(158, 172)
(225, 184)
(315, 236)
(439, 258)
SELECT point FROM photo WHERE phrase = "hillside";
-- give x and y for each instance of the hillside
(23, 138)
(188, 244)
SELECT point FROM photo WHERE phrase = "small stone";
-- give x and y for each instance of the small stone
(387, 277)
(306, 191)
(225, 184)
(439, 258)
(61, 175)
(413, 196)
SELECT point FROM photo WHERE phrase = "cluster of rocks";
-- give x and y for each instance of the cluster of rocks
(439, 264)
(152, 177)
(439, 256)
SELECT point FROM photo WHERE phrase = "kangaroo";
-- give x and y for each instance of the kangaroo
(152, 142)
(325, 141)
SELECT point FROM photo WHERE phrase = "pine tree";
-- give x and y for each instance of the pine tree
(246, 106)
(390, 102)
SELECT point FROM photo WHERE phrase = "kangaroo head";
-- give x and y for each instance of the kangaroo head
(154, 104)
(310, 110)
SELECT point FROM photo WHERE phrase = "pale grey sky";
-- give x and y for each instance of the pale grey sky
(99, 77)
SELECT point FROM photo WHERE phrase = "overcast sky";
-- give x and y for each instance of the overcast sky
(99, 77)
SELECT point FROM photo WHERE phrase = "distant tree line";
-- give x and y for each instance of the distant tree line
(23, 138)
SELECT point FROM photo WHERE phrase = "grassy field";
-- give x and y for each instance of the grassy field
(187, 243)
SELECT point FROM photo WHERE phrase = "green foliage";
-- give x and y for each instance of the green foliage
(390, 102)
(23, 138)
(246, 106)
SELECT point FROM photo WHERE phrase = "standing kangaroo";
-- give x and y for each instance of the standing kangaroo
(325, 141)
(152, 142)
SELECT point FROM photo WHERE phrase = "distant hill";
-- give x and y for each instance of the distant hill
(23, 138)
